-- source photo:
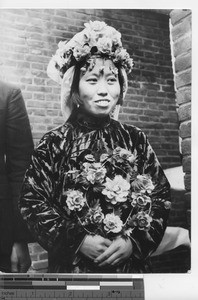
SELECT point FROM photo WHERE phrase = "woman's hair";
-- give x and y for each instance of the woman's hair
(74, 93)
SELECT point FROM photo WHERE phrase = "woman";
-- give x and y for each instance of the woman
(95, 196)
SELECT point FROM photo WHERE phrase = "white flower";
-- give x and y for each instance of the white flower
(96, 215)
(112, 223)
(75, 200)
(104, 45)
(121, 53)
(167, 204)
(124, 154)
(142, 220)
(115, 36)
(116, 190)
(94, 172)
(61, 47)
(140, 199)
(95, 25)
(80, 51)
(142, 183)
(59, 60)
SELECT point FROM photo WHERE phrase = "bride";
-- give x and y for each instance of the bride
(95, 196)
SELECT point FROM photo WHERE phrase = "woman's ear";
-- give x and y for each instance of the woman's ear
(75, 98)
(120, 99)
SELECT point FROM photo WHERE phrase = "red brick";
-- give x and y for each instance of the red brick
(188, 199)
(36, 111)
(40, 128)
(26, 80)
(36, 58)
(187, 163)
(183, 62)
(37, 44)
(36, 52)
(185, 129)
(183, 95)
(187, 182)
(38, 66)
(153, 99)
(58, 121)
(182, 28)
(37, 136)
(52, 113)
(186, 146)
(183, 45)
(132, 110)
(39, 96)
(26, 95)
(39, 81)
(184, 112)
(183, 79)
(34, 88)
(178, 14)
(36, 104)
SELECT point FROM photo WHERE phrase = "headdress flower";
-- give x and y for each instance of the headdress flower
(96, 38)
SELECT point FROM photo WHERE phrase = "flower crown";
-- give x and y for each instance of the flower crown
(97, 38)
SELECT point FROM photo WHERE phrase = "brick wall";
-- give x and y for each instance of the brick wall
(179, 260)
(29, 37)
(181, 36)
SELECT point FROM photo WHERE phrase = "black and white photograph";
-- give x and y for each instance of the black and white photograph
(95, 140)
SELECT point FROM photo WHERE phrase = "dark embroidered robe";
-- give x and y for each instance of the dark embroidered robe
(42, 198)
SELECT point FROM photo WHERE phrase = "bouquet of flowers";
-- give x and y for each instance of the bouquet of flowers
(107, 195)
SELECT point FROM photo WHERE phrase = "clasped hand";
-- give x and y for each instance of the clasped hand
(105, 252)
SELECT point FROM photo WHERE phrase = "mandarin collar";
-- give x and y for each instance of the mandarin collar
(89, 121)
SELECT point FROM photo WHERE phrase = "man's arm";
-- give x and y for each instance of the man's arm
(19, 147)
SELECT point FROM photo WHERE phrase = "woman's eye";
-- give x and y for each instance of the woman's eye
(112, 80)
(92, 80)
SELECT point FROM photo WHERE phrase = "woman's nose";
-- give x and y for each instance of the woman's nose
(102, 89)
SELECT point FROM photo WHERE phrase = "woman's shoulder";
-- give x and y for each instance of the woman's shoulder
(131, 129)
(57, 134)
(130, 132)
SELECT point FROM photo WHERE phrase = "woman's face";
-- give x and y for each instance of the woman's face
(99, 89)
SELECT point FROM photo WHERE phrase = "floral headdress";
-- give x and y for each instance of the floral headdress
(97, 38)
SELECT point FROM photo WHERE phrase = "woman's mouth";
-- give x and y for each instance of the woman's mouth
(102, 103)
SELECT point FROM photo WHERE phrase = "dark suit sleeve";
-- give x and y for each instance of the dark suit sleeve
(19, 147)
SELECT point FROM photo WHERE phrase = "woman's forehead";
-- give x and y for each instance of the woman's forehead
(101, 65)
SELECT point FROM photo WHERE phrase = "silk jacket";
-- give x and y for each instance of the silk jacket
(44, 201)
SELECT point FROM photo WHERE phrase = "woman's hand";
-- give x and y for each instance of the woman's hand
(94, 246)
(116, 253)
